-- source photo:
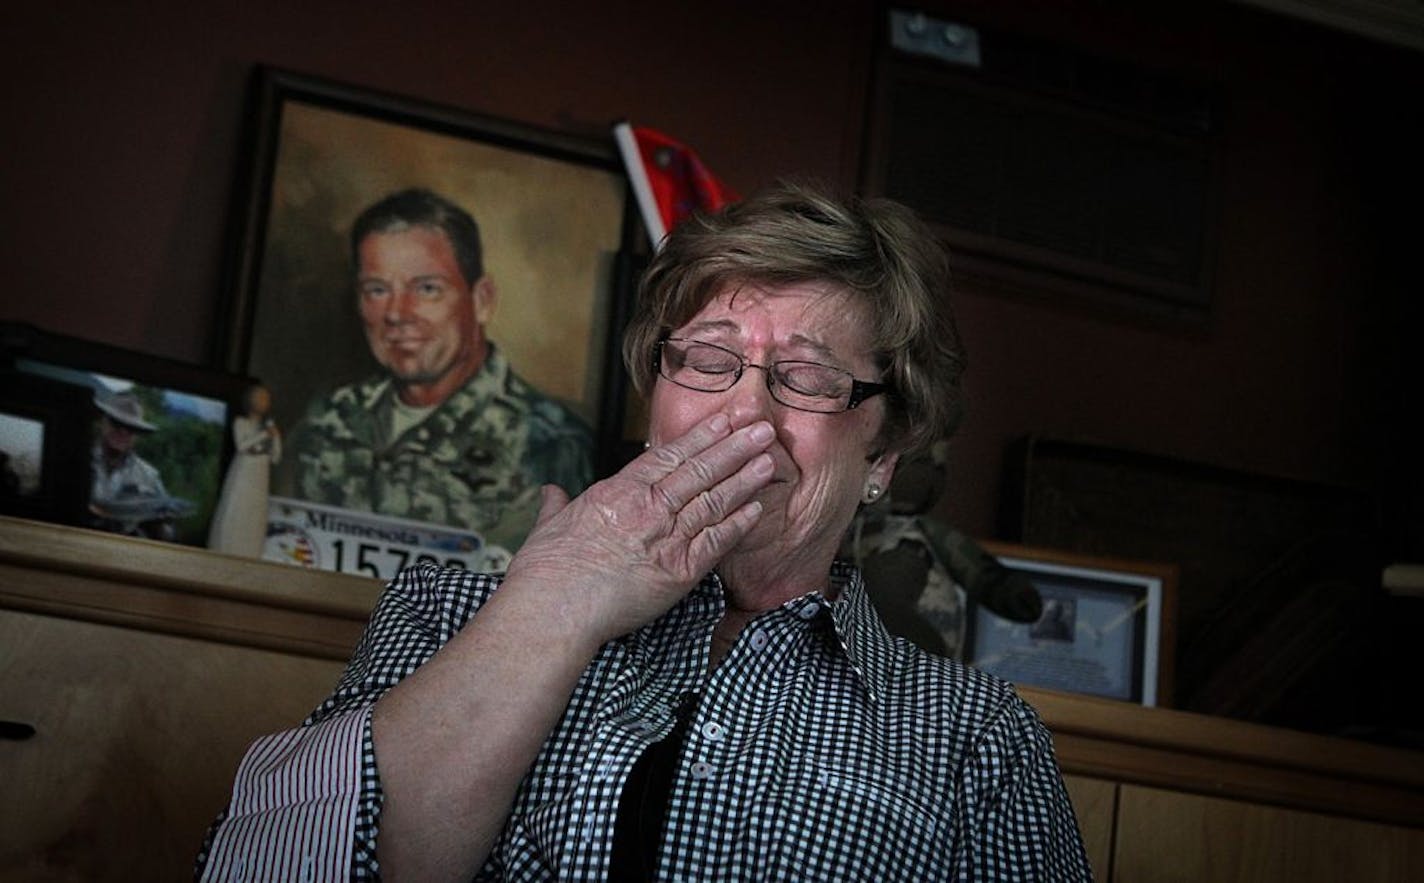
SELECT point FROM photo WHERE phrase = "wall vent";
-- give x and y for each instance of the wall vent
(1044, 167)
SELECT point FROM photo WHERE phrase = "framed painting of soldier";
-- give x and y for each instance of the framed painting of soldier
(432, 298)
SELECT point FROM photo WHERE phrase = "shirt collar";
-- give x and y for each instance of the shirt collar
(857, 628)
(492, 377)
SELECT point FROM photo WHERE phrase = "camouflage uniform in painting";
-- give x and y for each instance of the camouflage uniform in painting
(476, 461)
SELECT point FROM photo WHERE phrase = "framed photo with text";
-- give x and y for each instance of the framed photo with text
(433, 298)
(1106, 628)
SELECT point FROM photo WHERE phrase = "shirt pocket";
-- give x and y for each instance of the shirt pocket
(840, 820)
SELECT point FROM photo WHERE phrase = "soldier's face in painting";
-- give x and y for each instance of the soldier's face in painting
(424, 321)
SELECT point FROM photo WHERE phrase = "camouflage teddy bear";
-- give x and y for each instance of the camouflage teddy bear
(918, 570)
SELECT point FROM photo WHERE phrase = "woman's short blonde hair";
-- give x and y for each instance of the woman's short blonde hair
(875, 249)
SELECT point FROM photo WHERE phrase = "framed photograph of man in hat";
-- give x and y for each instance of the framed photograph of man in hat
(151, 433)
(433, 298)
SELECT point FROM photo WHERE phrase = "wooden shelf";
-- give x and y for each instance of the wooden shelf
(1227, 758)
(180, 590)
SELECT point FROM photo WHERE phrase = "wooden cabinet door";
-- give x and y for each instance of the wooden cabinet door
(1095, 805)
(1171, 836)
(138, 736)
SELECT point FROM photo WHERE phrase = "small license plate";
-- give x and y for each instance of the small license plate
(327, 538)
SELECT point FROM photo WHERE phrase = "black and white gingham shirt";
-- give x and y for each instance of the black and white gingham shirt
(821, 748)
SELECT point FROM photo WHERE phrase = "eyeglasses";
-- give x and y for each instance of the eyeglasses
(805, 386)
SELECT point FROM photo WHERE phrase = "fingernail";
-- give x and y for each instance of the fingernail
(720, 423)
(762, 432)
(763, 466)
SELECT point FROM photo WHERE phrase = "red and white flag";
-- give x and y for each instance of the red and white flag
(669, 181)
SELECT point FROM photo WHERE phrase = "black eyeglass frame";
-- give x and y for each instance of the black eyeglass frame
(860, 390)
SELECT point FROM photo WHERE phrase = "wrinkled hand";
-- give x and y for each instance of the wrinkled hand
(627, 549)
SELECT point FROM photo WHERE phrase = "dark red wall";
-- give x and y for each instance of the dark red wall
(123, 122)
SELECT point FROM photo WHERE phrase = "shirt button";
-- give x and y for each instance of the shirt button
(760, 639)
(810, 611)
(713, 732)
(701, 770)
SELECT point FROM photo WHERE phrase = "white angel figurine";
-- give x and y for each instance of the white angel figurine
(239, 524)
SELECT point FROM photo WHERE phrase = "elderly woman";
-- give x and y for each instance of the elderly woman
(675, 679)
